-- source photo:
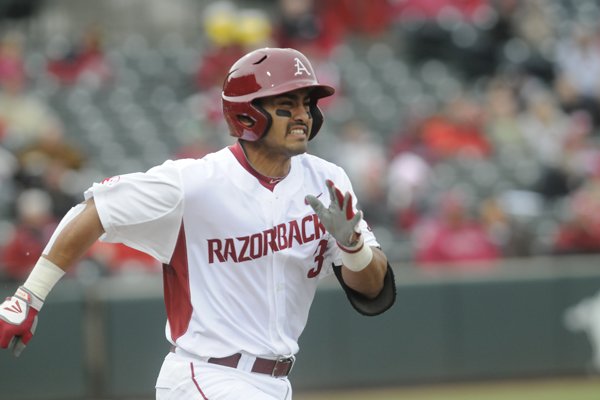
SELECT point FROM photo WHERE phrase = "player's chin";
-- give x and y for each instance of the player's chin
(298, 147)
(297, 141)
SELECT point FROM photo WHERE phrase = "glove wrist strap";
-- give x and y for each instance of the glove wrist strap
(357, 257)
(30, 298)
(43, 277)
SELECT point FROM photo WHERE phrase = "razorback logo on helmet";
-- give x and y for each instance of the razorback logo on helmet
(300, 67)
(110, 181)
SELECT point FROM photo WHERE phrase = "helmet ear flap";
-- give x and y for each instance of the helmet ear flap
(317, 117)
(249, 111)
(267, 120)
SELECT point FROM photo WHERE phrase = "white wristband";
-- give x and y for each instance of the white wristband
(357, 260)
(43, 277)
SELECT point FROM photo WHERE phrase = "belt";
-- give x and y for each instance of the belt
(280, 367)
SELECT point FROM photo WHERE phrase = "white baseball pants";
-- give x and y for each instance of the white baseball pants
(183, 378)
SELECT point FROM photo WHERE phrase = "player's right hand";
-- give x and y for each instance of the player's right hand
(339, 219)
(18, 319)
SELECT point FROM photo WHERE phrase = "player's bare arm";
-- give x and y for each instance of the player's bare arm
(368, 281)
(76, 237)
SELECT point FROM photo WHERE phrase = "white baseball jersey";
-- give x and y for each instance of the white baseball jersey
(242, 256)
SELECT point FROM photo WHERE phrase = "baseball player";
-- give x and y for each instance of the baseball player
(244, 235)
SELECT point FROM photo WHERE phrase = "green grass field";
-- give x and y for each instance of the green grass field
(560, 389)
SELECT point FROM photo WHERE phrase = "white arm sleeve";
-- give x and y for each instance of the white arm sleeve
(142, 210)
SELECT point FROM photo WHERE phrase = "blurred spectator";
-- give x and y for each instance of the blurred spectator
(408, 182)
(510, 235)
(52, 147)
(453, 238)
(51, 163)
(363, 157)
(458, 131)
(534, 24)
(84, 59)
(231, 33)
(253, 28)
(577, 235)
(581, 150)
(408, 137)
(580, 232)
(34, 227)
(14, 11)
(543, 123)
(370, 18)
(11, 58)
(468, 35)
(200, 132)
(578, 70)
(545, 128)
(24, 118)
(300, 24)
(8, 167)
(501, 115)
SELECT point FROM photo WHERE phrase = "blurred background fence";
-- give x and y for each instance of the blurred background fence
(529, 319)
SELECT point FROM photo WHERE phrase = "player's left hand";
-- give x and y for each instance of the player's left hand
(18, 320)
(339, 219)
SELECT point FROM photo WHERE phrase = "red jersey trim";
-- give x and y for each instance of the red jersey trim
(265, 181)
(176, 282)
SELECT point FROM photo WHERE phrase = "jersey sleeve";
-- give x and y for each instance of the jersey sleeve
(142, 210)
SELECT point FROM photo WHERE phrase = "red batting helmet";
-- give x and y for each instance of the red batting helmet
(268, 72)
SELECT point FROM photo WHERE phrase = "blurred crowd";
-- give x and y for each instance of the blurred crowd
(491, 150)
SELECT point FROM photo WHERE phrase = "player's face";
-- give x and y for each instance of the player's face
(291, 122)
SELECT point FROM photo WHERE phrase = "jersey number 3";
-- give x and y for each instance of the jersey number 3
(319, 259)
